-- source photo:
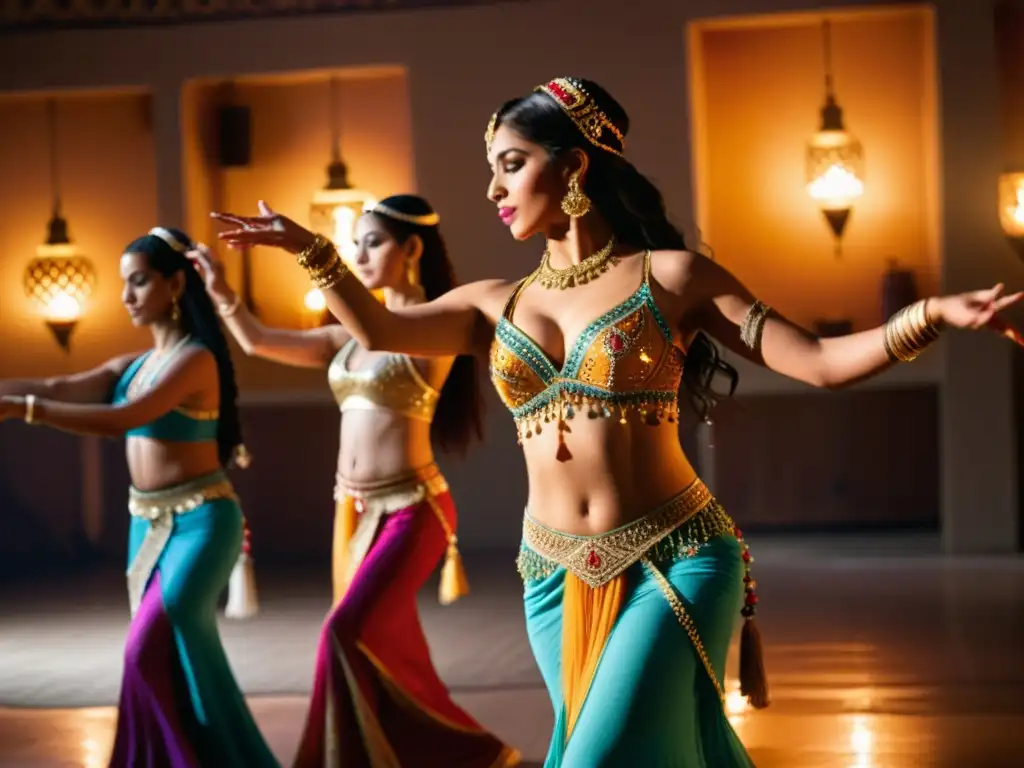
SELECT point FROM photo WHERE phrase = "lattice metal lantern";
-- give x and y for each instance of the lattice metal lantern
(59, 281)
(834, 158)
(333, 213)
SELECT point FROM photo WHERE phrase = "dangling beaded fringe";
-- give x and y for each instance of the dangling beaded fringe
(753, 676)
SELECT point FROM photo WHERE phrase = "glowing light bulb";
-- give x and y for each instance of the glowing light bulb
(837, 187)
(315, 301)
(63, 308)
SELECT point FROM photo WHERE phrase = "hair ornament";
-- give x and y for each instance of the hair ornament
(583, 110)
(168, 237)
(431, 219)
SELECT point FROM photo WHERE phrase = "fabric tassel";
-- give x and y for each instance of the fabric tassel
(454, 583)
(753, 678)
(243, 600)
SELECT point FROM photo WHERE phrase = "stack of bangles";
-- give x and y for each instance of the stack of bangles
(909, 332)
(323, 263)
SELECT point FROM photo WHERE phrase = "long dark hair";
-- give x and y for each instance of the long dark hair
(199, 319)
(459, 415)
(628, 201)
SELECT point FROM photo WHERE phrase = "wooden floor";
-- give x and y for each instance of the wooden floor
(882, 654)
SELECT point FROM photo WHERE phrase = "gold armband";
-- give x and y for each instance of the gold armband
(753, 325)
(908, 333)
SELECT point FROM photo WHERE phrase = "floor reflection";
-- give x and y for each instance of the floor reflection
(887, 660)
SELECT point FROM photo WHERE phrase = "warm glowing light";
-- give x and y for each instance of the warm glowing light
(59, 282)
(834, 169)
(861, 742)
(315, 301)
(63, 308)
(96, 727)
(736, 704)
(333, 214)
(836, 188)
(93, 755)
(1011, 204)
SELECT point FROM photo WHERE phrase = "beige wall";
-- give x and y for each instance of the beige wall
(759, 99)
(291, 147)
(461, 63)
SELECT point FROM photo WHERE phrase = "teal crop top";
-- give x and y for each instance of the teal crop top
(180, 425)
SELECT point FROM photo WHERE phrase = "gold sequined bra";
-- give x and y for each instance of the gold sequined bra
(392, 383)
(623, 362)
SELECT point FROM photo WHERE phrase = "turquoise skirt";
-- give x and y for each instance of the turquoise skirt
(652, 698)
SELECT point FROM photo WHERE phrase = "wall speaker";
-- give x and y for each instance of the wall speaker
(234, 136)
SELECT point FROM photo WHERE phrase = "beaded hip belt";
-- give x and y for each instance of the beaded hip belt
(374, 501)
(683, 523)
(159, 508)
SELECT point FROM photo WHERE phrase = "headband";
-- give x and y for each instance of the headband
(582, 109)
(168, 237)
(422, 220)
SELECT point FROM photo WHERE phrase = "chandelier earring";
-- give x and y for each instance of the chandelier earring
(575, 204)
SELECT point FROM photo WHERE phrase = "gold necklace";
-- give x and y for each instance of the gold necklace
(589, 269)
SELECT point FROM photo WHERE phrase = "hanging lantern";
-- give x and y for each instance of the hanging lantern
(335, 208)
(59, 280)
(1011, 209)
(835, 159)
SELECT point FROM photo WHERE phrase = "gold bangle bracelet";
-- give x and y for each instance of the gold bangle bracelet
(908, 333)
(332, 277)
(317, 254)
(332, 263)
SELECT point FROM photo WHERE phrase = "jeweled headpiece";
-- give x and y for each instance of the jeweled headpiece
(431, 219)
(582, 109)
(492, 126)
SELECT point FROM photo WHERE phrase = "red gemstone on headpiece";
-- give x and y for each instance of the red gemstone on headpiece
(593, 559)
(559, 91)
(615, 342)
(746, 556)
(751, 599)
(737, 532)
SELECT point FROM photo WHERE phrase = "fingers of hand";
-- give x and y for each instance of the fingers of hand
(265, 209)
(1007, 301)
(230, 218)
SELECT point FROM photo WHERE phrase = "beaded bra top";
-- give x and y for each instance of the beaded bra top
(392, 383)
(622, 362)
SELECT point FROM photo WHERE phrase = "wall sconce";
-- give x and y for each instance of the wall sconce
(1011, 209)
(335, 208)
(835, 159)
(59, 279)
